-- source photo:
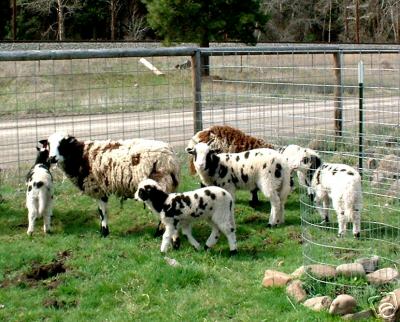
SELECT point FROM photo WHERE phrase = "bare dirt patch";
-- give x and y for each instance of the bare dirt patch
(41, 272)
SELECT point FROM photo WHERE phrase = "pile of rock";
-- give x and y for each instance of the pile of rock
(344, 304)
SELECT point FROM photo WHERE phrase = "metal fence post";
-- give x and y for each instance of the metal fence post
(196, 81)
(361, 116)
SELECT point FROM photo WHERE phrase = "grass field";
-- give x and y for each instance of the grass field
(124, 276)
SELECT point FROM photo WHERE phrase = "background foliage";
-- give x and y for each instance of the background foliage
(304, 21)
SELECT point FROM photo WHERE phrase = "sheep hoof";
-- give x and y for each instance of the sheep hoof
(176, 243)
(340, 235)
(159, 231)
(104, 231)
(206, 248)
(254, 203)
(233, 252)
(271, 225)
(357, 235)
(29, 233)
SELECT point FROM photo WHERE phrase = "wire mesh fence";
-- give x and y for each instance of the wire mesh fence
(307, 95)
(91, 98)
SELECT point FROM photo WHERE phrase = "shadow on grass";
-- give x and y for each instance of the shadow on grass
(75, 222)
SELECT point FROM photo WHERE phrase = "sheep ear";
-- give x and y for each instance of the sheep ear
(189, 150)
(315, 162)
(44, 143)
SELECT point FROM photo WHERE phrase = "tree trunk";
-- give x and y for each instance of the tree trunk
(14, 20)
(60, 16)
(113, 14)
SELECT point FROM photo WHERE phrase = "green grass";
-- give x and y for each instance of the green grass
(124, 276)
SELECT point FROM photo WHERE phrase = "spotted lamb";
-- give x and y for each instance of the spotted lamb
(227, 139)
(39, 194)
(102, 168)
(180, 210)
(259, 169)
(300, 160)
(340, 184)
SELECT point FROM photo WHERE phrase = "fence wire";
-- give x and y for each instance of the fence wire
(303, 95)
(313, 100)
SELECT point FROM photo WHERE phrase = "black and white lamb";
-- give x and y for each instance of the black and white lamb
(102, 168)
(340, 184)
(259, 169)
(39, 193)
(300, 160)
(327, 182)
(227, 139)
(180, 210)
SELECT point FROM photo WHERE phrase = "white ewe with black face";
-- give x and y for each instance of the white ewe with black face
(180, 210)
(102, 168)
(259, 169)
(227, 139)
(341, 184)
(39, 194)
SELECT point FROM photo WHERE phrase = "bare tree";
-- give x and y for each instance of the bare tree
(115, 7)
(62, 7)
(136, 23)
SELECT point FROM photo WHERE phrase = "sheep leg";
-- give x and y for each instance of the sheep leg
(342, 220)
(176, 241)
(275, 215)
(213, 238)
(167, 236)
(160, 230)
(356, 218)
(325, 210)
(322, 203)
(187, 231)
(32, 215)
(47, 220)
(103, 216)
(229, 230)
(254, 198)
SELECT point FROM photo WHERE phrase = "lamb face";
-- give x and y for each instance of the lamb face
(56, 145)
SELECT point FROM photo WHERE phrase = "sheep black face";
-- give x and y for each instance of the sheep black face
(204, 157)
(149, 191)
(143, 194)
(61, 146)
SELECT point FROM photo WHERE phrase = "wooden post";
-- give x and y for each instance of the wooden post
(196, 83)
(338, 100)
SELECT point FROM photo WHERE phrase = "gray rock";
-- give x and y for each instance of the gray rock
(298, 272)
(359, 315)
(383, 276)
(370, 264)
(318, 303)
(343, 304)
(275, 278)
(295, 290)
(352, 269)
(322, 271)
